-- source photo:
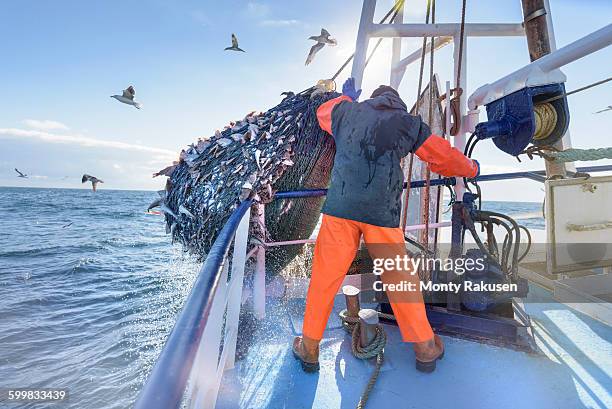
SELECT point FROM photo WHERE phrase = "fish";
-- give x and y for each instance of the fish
(164, 208)
(167, 171)
(224, 142)
(183, 210)
(155, 203)
(257, 156)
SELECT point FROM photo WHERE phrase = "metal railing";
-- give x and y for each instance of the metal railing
(203, 341)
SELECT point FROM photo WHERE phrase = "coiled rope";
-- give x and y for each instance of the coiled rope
(374, 349)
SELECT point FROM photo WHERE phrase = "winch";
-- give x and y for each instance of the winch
(537, 115)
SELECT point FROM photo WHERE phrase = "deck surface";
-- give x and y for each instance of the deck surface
(573, 370)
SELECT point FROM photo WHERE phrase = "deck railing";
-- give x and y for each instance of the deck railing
(202, 343)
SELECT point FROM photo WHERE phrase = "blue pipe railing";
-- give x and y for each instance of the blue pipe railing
(537, 175)
(166, 384)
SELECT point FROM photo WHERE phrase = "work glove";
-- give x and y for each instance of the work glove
(348, 89)
(478, 167)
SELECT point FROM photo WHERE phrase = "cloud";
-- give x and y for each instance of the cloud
(279, 23)
(256, 9)
(82, 141)
(45, 125)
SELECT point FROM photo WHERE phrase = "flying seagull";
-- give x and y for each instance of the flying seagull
(322, 39)
(128, 97)
(609, 108)
(94, 181)
(21, 175)
(234, 46)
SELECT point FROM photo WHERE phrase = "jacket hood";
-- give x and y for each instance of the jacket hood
(387, 100)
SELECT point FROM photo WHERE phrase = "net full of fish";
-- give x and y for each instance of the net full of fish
(283, 149)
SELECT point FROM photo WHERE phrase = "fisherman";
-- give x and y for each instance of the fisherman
(364, 198)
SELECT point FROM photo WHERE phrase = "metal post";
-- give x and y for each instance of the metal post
(234, 297)
(447, 117)
(566, 141)
(368, 320)
(459, 139)
(538, 43)
(363, 38)
(259, 281)
(351, 296)
(396, 77)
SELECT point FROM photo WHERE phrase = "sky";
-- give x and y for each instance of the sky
(63, 59)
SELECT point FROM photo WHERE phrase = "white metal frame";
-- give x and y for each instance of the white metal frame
(444, 33)
(217, 349)
(544, 70)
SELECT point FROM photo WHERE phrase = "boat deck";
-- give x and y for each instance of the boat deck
(572, 370)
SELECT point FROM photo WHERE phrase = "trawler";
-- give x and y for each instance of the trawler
(545, 343)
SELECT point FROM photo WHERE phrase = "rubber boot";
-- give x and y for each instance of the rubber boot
(427, 353)
(306, 350)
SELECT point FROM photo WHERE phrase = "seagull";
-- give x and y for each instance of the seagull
(67, 225)
(21, 175)
(94, 181)
(234, 46)
(321, 40)
(128, 97)
(609, 108)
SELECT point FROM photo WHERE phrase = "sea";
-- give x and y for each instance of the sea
(90, 287)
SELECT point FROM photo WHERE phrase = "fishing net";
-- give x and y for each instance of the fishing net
(283, 149)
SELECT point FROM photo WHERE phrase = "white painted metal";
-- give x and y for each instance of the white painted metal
(566, 141)
(447, 117)
(396, 77)
(399, 69)
(446, 30)
(259, 281)
(218, 344)
(589, 295)
(367, 30)
(459, 139)
(363, 38)
(575, 209)
(414, 227)
(234, 303)
(544, 70)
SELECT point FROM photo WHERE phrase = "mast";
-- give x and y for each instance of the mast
(539, 35)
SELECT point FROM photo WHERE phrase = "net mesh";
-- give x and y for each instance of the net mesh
(282, 149)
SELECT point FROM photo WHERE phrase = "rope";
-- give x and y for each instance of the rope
(572, 155)
(374, 349)
(411, 161)
(545, 116)
(568, 155)
(427, 193)
(577, 90)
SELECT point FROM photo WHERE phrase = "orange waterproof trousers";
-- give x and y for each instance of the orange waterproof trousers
(335, 249)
